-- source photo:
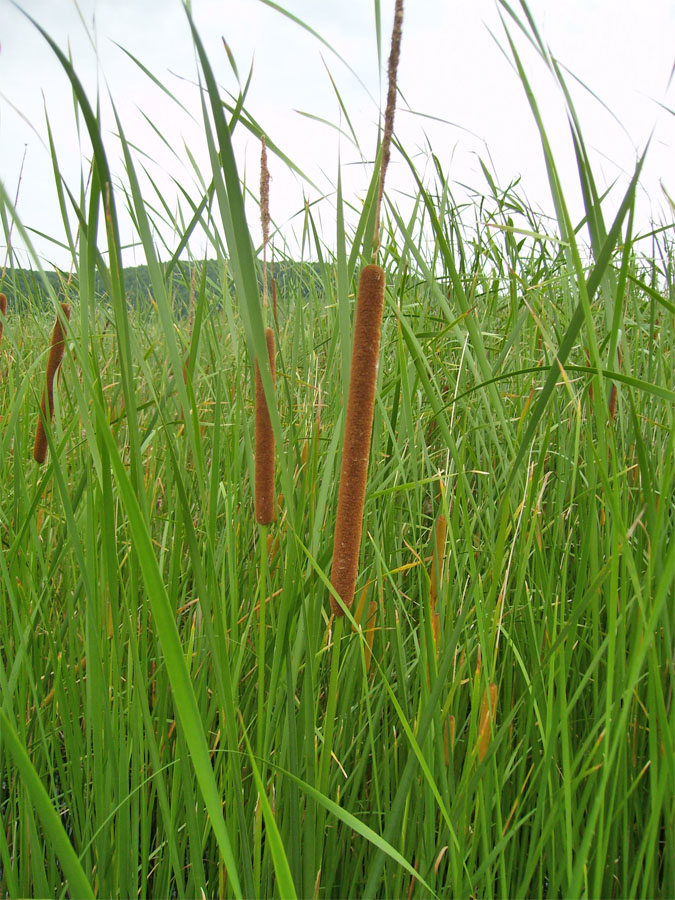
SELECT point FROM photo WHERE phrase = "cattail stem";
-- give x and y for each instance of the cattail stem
(274, 297)
(264, 443)
(261, 641)
(56, 352)
(363, 378)
(358, 429)
(264, 211)
(392, 70)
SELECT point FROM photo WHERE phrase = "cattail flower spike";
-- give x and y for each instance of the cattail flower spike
(56, 351)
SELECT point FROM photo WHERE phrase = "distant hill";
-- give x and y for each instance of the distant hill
(25, 287)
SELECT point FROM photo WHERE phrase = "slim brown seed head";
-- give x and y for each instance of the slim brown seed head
(56, 351)
(264, 443)
(358, 429)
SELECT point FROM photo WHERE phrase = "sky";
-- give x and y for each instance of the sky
(460, 96)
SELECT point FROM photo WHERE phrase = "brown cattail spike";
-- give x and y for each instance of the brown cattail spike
(264, 443)
(53, 362)
(358, 429)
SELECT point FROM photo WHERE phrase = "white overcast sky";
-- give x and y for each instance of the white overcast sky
(451, 68)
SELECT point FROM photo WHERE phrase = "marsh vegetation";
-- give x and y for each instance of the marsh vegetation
(181, 713)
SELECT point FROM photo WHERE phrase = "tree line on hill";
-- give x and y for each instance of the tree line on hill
(25, 288)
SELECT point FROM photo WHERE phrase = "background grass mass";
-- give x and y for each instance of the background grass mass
(180, 714)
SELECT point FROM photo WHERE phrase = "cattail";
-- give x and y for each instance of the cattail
(363, 377)
(487, 717)
(264, 443)
(53, 362)
(3, 310)
(358, 429)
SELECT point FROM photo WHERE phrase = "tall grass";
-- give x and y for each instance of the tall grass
(501, 716)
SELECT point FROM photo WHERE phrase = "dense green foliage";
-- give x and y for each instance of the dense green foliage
(28, 294)
(181, 717)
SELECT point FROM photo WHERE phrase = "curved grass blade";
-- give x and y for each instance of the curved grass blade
(315, 34)
(356, 825)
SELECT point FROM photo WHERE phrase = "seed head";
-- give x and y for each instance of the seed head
(264, 443)
(56, 351)
(358, 429)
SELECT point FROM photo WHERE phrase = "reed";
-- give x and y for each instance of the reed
(56, 351)
(264, 435)
(264, 443)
